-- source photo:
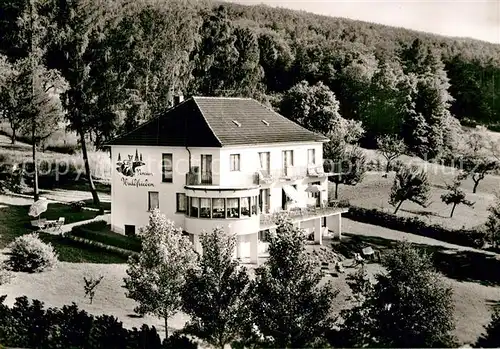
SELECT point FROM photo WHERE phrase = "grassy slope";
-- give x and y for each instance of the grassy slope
(374, 191)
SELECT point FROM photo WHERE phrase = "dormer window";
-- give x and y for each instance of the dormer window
(265, 122)
(236, 123)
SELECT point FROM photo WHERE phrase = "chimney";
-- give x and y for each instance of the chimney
(178, 99)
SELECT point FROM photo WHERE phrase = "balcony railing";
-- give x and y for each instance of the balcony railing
(300, 213)
(290, 173)
(199, 178)
(207, 179)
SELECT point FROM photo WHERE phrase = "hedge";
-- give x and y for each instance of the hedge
(29, 325)
(99, 231)
(464, 237)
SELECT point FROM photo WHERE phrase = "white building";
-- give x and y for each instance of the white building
(222, 162)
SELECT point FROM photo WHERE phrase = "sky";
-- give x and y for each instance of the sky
(478, 19)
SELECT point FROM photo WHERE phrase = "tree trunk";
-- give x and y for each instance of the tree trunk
(453, 210)
(387, 166)
(476, 183)
(35, 163)
(13, 136)
(95, 197)
(336, 190)
(166, 327)
(399, 205)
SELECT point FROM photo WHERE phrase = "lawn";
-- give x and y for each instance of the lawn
(373, 193)
(99, 231)
(14, 221)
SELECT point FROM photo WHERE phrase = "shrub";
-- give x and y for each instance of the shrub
(30, 254)
(464, 237)
(28, 325)
(99, 231)
(77, 206)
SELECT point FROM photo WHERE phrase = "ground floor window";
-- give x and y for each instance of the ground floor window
(153, 200)
(245, 207)
(129, 230)
(194, 207)
(181, 202)
(205, 208)
(218, 208)
(233, 208)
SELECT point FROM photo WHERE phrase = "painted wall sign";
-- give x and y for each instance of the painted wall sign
(130, 168)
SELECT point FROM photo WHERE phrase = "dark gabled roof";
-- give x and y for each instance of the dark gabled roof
(216, 122)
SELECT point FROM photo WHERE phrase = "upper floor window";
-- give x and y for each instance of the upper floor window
(167, 168)
(234, 162)
(287, 159)
(233, 208)
(264, 159)
(311, 156)
(153, 200)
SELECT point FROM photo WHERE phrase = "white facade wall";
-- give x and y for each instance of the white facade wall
(130, 203)
(249, 162)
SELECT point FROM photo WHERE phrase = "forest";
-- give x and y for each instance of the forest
(115, 64)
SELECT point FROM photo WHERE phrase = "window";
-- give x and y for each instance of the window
(218, 208)
(234, 160)
(233, 208)
(254, 205)
(287, 156)
(181, 202)
(265, 161)
(153, 200)
(129, 230)
(264, 199)
(311, 156)
(193, 212)
(245, 207)
(206, 169)
(205, 208)
(167, 168)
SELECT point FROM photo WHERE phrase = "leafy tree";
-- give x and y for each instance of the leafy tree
(347, 162)
(288, 306)
(409, 306)
(214, 290)
(391, 148)
(493, 224)
(156, 37)
(478, 158)
(78, 29)
(227, 58)
(382, 101)
(314, 107)
(410, 184)
(491, 339)
(455, 196)
(156, 276)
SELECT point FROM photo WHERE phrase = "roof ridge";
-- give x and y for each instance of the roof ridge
(206, 121)
(221, 97)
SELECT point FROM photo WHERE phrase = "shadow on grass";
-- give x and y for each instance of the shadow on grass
(459, 265)
(424, 213)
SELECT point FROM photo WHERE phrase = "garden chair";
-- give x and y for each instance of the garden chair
(59, 224)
